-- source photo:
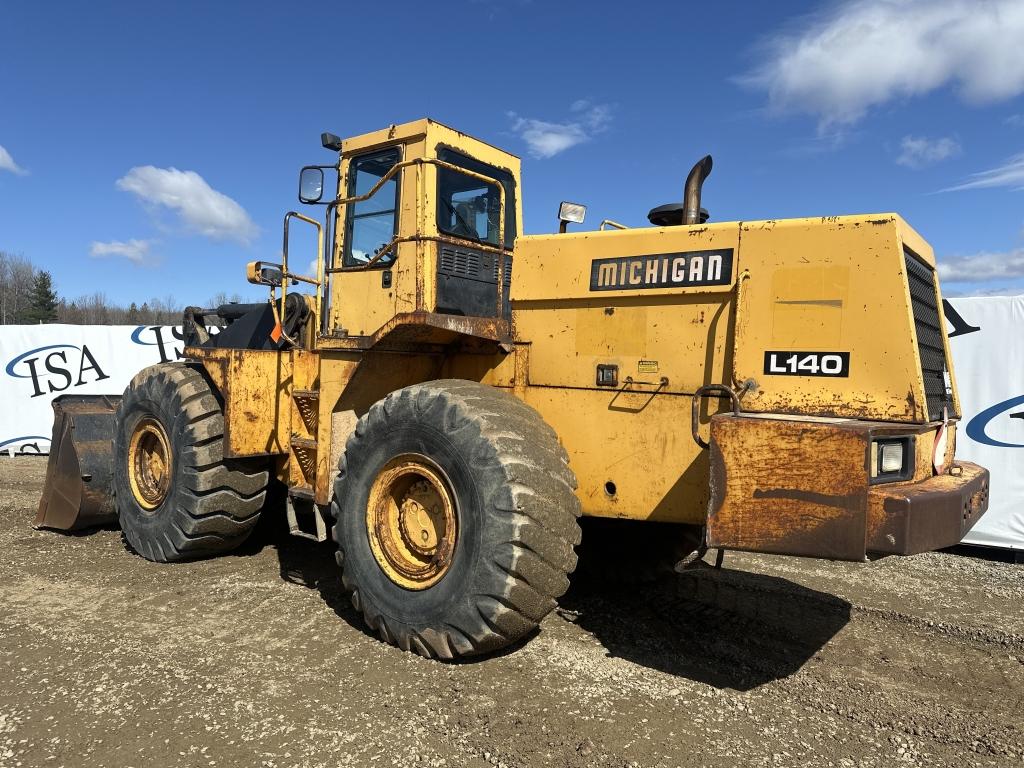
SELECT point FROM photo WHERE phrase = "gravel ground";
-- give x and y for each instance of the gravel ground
(257, 659)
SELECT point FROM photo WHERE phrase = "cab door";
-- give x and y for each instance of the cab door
(365, 292)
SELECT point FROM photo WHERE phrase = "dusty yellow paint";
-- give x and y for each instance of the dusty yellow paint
(256, 388)
(814, 285)
(809, 297)
(829, 284)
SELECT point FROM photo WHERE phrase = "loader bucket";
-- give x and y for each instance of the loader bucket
(78, 492)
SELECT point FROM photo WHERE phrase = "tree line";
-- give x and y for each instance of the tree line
(27, 297)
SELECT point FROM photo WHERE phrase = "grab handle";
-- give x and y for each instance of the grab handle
(700, 394)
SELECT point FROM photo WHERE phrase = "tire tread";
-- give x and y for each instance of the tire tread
(536, 503)
(218, 501)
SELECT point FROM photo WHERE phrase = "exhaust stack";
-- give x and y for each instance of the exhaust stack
(691, 192)
(688, 211)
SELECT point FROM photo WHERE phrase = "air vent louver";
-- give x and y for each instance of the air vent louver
(928, 330)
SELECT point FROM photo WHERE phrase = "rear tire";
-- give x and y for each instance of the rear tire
(177, 496)
(511, 518)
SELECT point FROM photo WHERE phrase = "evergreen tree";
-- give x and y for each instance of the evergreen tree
(42, 301)
(133, 313)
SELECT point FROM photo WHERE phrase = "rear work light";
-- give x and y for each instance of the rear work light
(892, 458)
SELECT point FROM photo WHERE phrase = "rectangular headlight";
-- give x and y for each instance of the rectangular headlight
(892, 459)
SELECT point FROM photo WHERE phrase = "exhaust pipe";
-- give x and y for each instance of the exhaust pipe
(691, 192)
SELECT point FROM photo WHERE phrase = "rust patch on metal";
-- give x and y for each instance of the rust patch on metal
(414, 330)
(840, 502)
(910, 518)
(788, 488)
(804, 488)
(912, 402)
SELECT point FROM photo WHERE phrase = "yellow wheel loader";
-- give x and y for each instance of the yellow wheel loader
(450, 397)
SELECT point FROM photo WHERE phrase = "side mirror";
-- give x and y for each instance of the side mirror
(311, 184)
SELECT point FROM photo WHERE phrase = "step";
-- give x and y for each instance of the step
(307, 403)
(299, 507)
(304, 492)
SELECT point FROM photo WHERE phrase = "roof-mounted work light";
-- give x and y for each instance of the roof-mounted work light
(330, 141)
(570, 212)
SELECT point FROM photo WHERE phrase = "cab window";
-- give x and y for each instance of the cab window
(467, 207)
(372, 223)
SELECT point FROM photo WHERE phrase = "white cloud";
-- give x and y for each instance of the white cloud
(1015, 121)
(136, 251)
(981, 267)
(545, 139)
(920, 151)
(1009, 174)
(1011, 291)
(200, 207)
(863, 53)
(7, 163)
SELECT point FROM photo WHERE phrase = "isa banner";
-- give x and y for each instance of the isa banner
(40, 362)
(986, 336)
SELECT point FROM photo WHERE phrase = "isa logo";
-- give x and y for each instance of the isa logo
(977, 427)
(169, 341)
(56, 368)
(25, 444)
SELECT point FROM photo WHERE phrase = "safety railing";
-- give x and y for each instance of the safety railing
(286, 274)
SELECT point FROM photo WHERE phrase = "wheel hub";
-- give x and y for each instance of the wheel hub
(422, 518)
(150, 463)
(411, 521)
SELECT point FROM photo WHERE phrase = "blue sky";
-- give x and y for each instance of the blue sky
(152, 149)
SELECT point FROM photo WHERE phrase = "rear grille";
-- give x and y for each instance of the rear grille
(928, 330)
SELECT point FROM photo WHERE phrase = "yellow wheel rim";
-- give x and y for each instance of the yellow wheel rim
(149, 463)
(411, 520)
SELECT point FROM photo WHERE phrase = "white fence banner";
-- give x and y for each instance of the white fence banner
(987, 341)
(41, 362)
(986, 335)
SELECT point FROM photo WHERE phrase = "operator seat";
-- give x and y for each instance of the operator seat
(465, 216)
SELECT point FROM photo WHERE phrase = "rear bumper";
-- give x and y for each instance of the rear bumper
(910, 518)
(802, 487)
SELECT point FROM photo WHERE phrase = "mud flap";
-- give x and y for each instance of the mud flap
(78, 492)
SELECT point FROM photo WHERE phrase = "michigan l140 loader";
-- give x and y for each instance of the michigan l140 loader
(451, 396)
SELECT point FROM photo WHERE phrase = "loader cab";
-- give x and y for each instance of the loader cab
(434, 237)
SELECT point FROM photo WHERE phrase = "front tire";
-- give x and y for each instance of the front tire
(177, 496)
(456, 518)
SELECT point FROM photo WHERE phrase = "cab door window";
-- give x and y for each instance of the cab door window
(372, 223)
(468, 207)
